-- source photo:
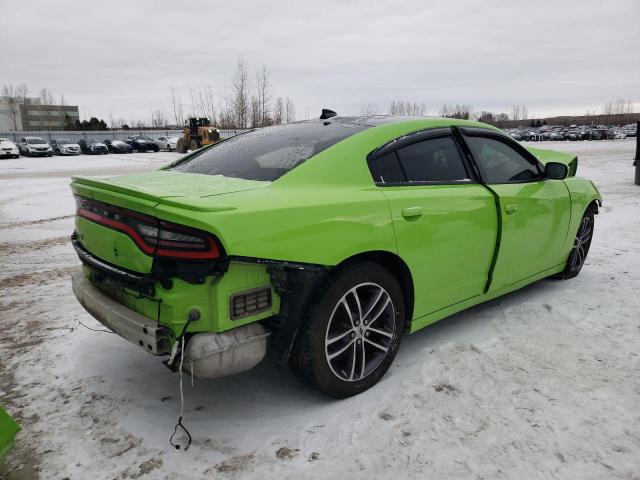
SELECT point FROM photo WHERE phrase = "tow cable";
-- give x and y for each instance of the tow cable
(179, 345)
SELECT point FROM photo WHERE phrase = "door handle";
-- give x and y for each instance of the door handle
(511, 208)
(411, 212)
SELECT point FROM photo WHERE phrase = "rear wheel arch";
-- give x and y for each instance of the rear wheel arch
(396, 266)
(295, 300)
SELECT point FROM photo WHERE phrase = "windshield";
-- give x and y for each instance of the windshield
(35, 140)
(142, 137)
(267, 153)
(63, 141)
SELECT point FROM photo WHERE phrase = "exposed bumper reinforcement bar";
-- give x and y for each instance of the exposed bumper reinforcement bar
(130, 325)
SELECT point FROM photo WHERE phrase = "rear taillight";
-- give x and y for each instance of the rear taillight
(152, 236)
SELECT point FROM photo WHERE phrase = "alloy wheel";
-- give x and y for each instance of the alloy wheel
(581, 244)
(360, 331)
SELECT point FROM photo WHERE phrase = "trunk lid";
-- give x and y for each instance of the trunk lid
(146, 193)
(191, 191)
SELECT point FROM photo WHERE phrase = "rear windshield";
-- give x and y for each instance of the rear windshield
(268, 153)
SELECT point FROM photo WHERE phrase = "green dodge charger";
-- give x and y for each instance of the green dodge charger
(325, 241)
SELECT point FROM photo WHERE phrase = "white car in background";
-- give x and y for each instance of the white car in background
(34, 147)
(8, 149)
(167, 143)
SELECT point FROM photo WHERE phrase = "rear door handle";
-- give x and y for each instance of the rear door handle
(411, 212)
(511, 208)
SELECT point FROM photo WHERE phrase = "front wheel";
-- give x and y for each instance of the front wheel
(351, 331)
(581, 244)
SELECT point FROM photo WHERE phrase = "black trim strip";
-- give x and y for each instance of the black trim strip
(140, 283)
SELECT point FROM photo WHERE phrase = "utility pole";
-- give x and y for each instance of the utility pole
(636, 162)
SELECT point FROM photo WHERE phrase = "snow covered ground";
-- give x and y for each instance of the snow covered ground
(542, 383)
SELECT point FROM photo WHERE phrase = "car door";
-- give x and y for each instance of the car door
(444, 220)
(534, 211)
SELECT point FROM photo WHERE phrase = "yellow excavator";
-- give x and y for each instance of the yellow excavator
(197, 133)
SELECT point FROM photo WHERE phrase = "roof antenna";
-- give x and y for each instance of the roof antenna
(326, 113)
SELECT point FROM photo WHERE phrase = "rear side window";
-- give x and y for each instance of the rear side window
(386, 169)
(268, 153)
(432, 160)
(499, 163)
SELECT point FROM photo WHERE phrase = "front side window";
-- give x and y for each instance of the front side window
(432, 160)
(499, 163)
(267, 153)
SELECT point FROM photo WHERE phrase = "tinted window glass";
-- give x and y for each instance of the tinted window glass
(268, 153)
(433, 160)
(500, 163)
(386, 169)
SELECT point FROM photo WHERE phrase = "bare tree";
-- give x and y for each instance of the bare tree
(263, 91)
(209, 104)
(405, 107)
(254, 112)
(369, 109)
(240, 94)
(13, 107)
(225, 117)
(62, 118)
(46, 99)
(289, 110)
(158, 119)
(278, 111)
(459, 111)
(176, 107)
(119, 123)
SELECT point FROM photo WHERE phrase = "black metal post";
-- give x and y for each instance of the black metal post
(636, 162)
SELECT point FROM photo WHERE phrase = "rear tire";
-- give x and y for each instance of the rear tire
(351, 331)
(581, 244)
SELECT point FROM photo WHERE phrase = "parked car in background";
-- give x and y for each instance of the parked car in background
(118, 146)
(142, 143)
(8, 149)
(631, 130)
(93, 147)
(620, 134)
(34, 147)
(556, 135)
(167, 143)
(64, 146)
(574, 135)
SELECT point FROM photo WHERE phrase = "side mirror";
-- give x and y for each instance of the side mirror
(556, 171)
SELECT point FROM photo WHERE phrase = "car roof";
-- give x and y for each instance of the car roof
(421, 121)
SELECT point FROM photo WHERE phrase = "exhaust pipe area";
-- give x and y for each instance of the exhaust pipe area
(215, 355)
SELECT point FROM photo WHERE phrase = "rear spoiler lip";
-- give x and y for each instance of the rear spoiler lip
(545, 156)
(168, 200)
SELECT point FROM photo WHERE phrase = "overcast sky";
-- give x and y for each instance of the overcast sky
(556, 57)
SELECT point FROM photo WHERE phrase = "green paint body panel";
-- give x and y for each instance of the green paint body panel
(8, 430)
(326, 210)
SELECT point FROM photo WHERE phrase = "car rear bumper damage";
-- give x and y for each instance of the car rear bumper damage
(130, 325)
(206, 355)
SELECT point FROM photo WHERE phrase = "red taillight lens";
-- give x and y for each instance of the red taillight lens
(152, 236)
